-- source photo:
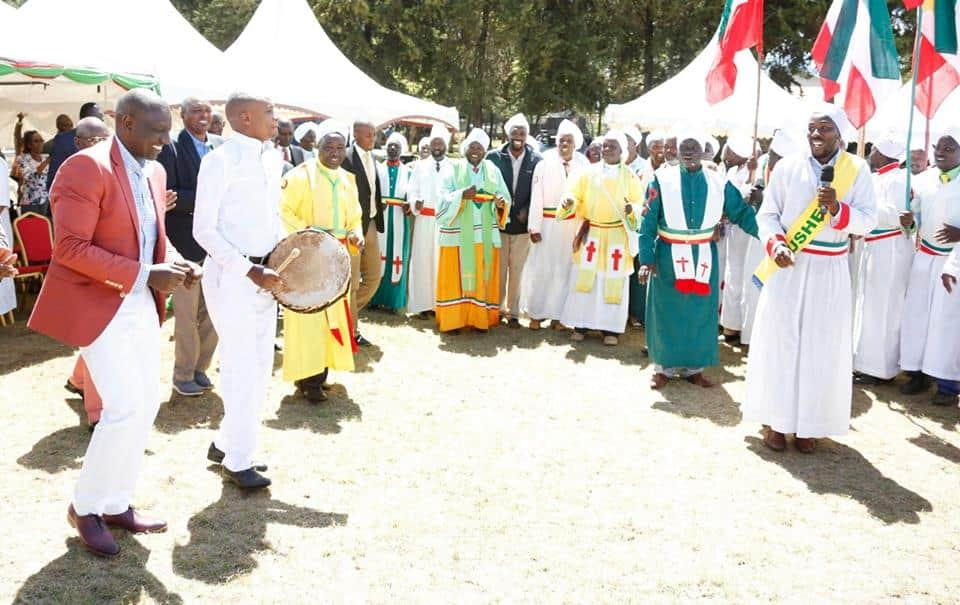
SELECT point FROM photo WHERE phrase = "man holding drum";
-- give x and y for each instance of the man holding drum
(319, 194)
(237, 221)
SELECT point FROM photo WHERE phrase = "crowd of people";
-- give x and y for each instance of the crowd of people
(816, 259)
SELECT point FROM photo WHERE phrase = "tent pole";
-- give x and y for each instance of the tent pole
(756, 114)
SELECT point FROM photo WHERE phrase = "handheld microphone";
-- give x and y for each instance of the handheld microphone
(826, 179)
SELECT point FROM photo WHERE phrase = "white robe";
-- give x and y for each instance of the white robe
(801, 354)
(399, 219)
(884, 271)
(8, 292)
(734, 243)
(424, 248)
(751, 293)
(929, 341)
(545, 283)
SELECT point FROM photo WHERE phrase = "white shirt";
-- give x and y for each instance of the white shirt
(517, 163)
(370, 169)
(237, 212)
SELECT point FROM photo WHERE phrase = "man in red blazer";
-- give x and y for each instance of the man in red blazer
(104, 293)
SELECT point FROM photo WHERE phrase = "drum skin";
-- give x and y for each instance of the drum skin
(318, 277)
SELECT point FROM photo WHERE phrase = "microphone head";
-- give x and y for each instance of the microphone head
(827, 175)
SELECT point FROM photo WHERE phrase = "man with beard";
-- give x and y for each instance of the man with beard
(474, 208)
(423, 194)
(546, 274)
(928, 341)
(678, 251)
(395, 241)
(516, 161)
(800, 363)
(320, 194)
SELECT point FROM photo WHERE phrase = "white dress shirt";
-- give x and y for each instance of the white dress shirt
(370, 169)
(237, 211)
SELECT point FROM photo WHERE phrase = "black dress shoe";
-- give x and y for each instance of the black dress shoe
(917, 384)
(513, 322)
(313, 394)
(944, 399)
(216, 455)
(73, 388)
(869, 380)
(361, 341)
(248, 479)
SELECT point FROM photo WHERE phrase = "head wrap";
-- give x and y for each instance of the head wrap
(331, 126)
(689, 133)
(517, 120)
(424, 142)
(398, 138)
(633, 133)
(838, 117)
(568, 127)
(477, 135)
(890, 146)
(656, 135)
(740, 145)
(953, 132)
(440, 132)
(621, 139)
(713, 143)
(303, 129)
(784, 144)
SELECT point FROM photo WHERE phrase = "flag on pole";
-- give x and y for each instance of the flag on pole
(938, 67)
(741, 27)
(856, 56)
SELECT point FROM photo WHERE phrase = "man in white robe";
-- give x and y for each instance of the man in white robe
(739, 163)
(928, 343)
(545, 283)
(884, 270)
(801, 355)
(424, 193)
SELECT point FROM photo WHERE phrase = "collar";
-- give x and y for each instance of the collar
(249, 143)
(128, 158)
(195, 139)
(393, 163)
(888, 168)
(951, 174)
(832, 161)
(330, 172)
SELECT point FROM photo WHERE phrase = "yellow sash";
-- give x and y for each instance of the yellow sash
(810, 222)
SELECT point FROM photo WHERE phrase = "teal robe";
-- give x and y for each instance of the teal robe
(391, 295)
(681, 328)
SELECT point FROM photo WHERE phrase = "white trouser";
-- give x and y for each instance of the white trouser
(124, 362)
(246, 321)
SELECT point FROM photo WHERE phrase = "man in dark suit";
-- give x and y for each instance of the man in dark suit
(64, 144)
(360, 162)
(516, 161)
(292, 154)
(194, 336)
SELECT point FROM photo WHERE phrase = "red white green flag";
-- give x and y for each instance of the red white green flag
(741, 27)
(856, 56)
(938, 64)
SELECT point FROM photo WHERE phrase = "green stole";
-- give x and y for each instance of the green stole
(468, 260)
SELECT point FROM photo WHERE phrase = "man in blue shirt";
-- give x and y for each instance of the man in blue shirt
(64, 145)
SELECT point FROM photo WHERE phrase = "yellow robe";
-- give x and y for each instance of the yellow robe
(316, 341)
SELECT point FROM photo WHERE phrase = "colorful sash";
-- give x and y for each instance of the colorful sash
(483, 203)
(810, 222)
(398, 222)
(879, 234)
(932, 249)
(691, 278)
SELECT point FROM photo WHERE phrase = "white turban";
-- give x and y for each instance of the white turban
(656, 135)
(621, 139)
(784, 144)
(332, 126)
(953, 132)
(568, 127)
(633, 133)
(890, 147)
(713, 143)
(517, 120)
(424, 142)
(918, 142)
(303, 129)
(740, 145)
(838, 117)
(397, 138)
(689, 133)
(440, 132)
(477, 135)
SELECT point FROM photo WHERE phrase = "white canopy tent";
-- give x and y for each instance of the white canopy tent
(320, 80)
(682, 100)
(78, 36)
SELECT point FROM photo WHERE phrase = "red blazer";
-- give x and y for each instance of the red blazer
(96, 247)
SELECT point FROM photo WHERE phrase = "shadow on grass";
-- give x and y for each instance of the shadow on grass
(184, 413)
(917, 406)
(33, 349)
(78, 577)
(839, 469)
(296, 412)
(861, 403)
(491, 343)
(367, 355)
(59, 451)
(629, 351)
(937, 446)
(690, 401)
(226, 536)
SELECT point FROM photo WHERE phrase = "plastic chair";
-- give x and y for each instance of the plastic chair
(34, 235)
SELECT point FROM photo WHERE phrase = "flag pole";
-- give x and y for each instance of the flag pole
(756, 112)
(913, 103)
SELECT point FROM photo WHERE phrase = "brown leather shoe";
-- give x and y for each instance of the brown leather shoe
(534, 324)
(135, 523)
(700, 380)
(659, 381)
(774, 440)
(805, 445)
(93, 532)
